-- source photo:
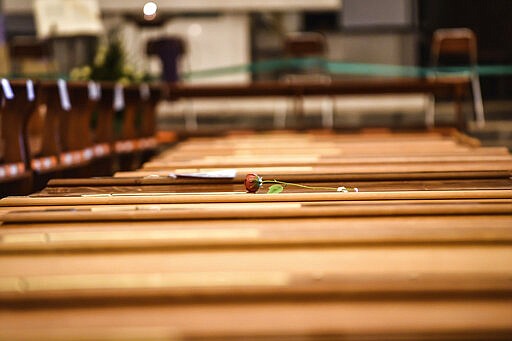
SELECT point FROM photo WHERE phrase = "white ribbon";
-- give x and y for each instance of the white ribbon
(6, 87)
(144, 91)
(118, 97)
(94, 91)
(30, 91)
(65, 103)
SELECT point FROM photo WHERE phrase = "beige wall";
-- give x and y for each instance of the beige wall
(380, 48)
(215, 42)
(211, 42)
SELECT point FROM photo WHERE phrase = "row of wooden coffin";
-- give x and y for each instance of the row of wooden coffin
(179, 250)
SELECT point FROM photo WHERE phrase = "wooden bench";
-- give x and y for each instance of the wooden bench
(455, 88)
(19, 101)
(136, 142)
(74, 135)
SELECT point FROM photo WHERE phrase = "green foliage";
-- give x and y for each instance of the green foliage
(109, 65)
(275, 189)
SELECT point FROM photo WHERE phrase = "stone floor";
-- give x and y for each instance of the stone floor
(498, 128)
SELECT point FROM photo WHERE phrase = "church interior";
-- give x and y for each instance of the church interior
(212, 170)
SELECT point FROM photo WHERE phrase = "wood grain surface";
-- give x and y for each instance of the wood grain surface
(421, 252)
(251, 233)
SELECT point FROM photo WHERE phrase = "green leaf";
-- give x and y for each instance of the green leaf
(274, 189)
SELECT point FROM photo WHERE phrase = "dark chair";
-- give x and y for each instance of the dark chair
(169, 50)
(307, 45)
(456, 43)
(28, 48)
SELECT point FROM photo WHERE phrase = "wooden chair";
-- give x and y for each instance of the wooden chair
(307, 45)
(460, 42)
(28, 55)
(18, 103)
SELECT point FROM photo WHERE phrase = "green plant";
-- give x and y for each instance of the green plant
(109, 65)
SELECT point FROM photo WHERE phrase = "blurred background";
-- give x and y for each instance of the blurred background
(220, 41)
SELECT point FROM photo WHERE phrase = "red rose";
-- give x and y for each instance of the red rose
(252, 182)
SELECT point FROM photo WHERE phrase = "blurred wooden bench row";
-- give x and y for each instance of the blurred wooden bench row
(69, 109)
(69, 129)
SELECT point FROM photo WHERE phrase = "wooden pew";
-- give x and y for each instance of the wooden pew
(66, 148)
(105, 128)
(19, 100)
(125, 144)
(77, 137)
(453, 87)
(136, 142)
(127, 122)
(147, 144)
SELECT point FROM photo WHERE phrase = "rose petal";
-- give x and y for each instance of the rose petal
(252, 182)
